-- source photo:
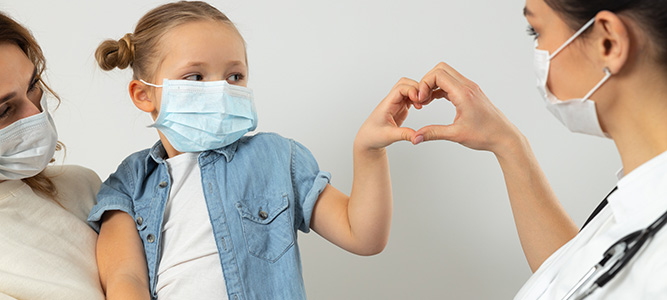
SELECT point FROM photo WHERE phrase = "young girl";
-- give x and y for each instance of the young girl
(208, 213)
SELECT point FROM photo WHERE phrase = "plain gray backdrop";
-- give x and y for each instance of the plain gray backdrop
(318, 68)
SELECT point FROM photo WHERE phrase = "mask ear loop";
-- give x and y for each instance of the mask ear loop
(604, 79)
(571, 39)
(150, 84)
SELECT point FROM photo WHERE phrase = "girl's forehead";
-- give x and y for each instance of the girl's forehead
(203, 42)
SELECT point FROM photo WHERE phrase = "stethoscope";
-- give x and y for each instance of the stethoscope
(614, 259)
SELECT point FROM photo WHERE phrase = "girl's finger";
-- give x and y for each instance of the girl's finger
(436, 132)
(400, 92)
(437, 94)
(438, 78)
(403, 134)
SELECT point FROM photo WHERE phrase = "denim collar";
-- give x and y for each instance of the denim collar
(158, 154)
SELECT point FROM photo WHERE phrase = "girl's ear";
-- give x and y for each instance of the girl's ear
(140, 96)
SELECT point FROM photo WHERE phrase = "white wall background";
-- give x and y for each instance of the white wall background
(318, 68)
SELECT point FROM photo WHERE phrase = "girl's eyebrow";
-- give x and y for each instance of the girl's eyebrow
(194, 64)
(203, 64)
(235, 63)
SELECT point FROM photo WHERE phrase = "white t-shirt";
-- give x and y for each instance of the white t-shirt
(47, 252)
(641, 199)
(190, 265)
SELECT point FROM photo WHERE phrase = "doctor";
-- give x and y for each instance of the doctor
(602, 70)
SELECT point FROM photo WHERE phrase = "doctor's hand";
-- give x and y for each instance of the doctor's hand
(383, 126)
(478, 123)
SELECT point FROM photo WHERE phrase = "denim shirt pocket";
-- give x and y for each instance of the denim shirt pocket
(267, 226)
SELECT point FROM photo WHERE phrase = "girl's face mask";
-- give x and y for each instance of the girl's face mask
(197, 116)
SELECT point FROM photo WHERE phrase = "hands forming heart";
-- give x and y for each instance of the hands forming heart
(478, 123)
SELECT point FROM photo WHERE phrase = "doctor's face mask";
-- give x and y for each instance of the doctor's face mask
(578, 115)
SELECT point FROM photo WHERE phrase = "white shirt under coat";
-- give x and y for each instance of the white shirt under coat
(641, 199)
(189, 266)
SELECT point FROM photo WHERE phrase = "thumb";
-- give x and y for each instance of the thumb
(435, 132)
(403, 134)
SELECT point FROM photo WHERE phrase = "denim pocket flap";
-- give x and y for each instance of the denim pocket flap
(262, 210)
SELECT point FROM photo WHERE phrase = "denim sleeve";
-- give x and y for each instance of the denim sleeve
(114, 194)
(308, 182)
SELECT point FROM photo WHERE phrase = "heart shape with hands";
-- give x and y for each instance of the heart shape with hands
(478, 123)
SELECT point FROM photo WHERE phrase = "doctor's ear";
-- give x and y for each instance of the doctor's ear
(141, 96)
(614, 41)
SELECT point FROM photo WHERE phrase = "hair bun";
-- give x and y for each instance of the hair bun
(115, 54)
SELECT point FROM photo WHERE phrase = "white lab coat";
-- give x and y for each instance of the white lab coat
(641, 198)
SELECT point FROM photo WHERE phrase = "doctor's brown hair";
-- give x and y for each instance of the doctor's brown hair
(12, 32)
(650, 15)
(140, 50)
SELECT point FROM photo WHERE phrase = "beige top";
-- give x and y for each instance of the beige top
(47, 252)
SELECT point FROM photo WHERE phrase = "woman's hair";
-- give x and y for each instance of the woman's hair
(140, 50)
(13, 32)
(650, 15)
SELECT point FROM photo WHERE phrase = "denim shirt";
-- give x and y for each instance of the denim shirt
(258, 190)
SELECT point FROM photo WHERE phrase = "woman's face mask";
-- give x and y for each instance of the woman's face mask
(578, 115)
(27, 145)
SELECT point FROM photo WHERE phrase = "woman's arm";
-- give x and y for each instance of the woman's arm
(542, 223)
(121, 259)
(360, 223)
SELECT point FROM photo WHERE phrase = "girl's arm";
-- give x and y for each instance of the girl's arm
(542, 223)
(360, 223)
(121, 259)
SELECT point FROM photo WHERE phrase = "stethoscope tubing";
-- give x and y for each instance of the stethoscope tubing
(620, 253)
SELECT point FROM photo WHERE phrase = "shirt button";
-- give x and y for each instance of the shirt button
(150, 238)
(163, 184)
(263, 215)
(140, 220)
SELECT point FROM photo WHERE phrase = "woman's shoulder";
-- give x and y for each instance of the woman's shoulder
(76, 187)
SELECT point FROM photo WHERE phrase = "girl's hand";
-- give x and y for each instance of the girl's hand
(382, 128)
(478, 123)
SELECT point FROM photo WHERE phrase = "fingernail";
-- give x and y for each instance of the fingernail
(419, 139)
(419, 96)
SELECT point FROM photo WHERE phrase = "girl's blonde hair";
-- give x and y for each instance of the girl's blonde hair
(139, 50)
(13, 32)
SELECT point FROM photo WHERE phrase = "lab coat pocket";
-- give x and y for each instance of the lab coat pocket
(267, 226)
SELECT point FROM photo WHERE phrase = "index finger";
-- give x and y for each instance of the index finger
(435, 79)
(401, 92)
(442, 76)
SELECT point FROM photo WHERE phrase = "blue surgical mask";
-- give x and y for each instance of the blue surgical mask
(27, 145)
(204, 115)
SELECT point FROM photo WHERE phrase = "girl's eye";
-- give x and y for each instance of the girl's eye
(195, 77)
(235, 78)
(531, 32)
